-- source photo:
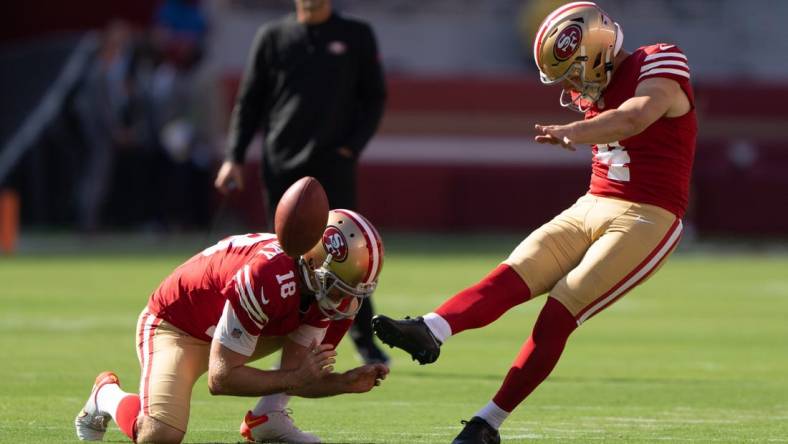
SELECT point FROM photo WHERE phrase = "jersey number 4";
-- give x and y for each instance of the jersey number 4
(616, 158)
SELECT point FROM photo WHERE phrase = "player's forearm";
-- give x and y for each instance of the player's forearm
(610, 126)
(250, 381)
(330, 385)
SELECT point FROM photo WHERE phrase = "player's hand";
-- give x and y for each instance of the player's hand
(346, 152)
(365, 378)
(317, 362)
(229, 177)
(554, 135)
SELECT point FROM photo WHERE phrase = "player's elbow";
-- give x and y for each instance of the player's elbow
(217, 386)
(217, 382)
(631, 124)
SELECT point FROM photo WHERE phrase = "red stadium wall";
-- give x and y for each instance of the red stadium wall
(739, 183)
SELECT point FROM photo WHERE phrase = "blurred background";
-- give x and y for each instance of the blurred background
(114, 115)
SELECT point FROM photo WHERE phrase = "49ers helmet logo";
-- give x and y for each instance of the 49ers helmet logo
(567, 42)
(335, 243)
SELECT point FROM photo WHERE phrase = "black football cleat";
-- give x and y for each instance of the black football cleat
(411, 335)
(477, 431)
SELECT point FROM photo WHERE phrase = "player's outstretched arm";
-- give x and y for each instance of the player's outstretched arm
(228, 373)
(653, 99)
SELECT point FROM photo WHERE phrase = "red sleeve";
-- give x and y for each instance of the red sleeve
(246, 295)
(668, 61)
(336, 331)
(315, 317)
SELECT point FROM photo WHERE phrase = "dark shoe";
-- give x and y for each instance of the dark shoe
(477, 431)
(372, 354)
(411, 335)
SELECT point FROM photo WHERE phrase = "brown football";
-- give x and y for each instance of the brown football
(301, 216)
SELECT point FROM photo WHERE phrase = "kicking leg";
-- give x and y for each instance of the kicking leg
(532, 268)
(626, 253)
(473, 307)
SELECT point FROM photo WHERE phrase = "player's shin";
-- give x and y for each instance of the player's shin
(482, 303)
(123, 407)
(538, 356)
(126, 415)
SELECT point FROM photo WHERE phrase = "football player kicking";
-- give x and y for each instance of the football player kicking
(640, 121)
(235, 302)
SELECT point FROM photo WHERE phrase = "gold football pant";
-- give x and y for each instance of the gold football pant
(171, 361)
(594, 252)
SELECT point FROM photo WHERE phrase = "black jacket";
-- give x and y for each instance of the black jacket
(311, 89)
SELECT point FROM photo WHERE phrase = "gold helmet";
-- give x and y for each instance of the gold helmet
(577, 43)
(348, 258)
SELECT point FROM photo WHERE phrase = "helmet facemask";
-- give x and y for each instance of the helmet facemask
(346, 262)
(583, 93)
(321, 281)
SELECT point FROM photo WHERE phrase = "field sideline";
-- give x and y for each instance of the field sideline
(697, 354)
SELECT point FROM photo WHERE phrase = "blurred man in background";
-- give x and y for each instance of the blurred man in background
(314, 86)
(149, 122)
(102, 103)
(640, 119)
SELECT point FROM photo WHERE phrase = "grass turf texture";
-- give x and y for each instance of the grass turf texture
(697, 354)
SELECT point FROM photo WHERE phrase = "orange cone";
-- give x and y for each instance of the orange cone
(9, 220)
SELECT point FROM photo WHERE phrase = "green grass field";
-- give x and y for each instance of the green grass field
(697, 354)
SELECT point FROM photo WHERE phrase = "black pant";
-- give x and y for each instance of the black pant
(338, 177)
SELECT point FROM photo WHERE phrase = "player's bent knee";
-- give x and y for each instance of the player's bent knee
(151, 430)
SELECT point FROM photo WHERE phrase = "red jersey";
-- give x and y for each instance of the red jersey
(253, 273)
(654, 166)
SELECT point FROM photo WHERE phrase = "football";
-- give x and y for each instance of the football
(301, 216)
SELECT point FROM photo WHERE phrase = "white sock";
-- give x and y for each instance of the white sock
(494, 415)
(108, 398)
(271, 403)
(438, 326)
